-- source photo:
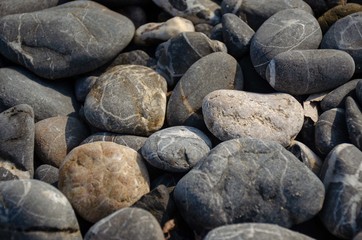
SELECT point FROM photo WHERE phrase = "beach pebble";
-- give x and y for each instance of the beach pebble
(47, 173)
(101, 177)
(231, 114)
(354, 122)
(300, 72)
(9, 7)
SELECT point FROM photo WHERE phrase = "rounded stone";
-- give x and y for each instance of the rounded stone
(176, 149)
(320, 7)
(231, 114)
(47, 173)
(134, 57)
(101, 177)
(300, 72)
(127, 99)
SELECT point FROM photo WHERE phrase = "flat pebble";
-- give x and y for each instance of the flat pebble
(47, 173)
(231, 114)
(354, 122)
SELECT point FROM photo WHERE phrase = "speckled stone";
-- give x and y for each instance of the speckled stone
(9, 7)
(127, 99)
(354, 122)
(101, 177)
(341, 171)
(32, 209)
(47, 173)
(301, 72)
(126, 224)
(290, 29)
(248, 180)
(231, 114)
(176, 149)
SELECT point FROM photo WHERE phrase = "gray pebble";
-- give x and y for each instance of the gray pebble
(9, 7)
(354, 122)
(135, 57)
(47, 173)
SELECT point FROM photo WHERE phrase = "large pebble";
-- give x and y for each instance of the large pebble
(31, 209)
(341, 175)
(248, 180)
(231, 114)
(215, 71)
(354, 122)
(290, 29)
(9, 7)
(127, 99)
(65, 40)
(300, 72)
(101, 177)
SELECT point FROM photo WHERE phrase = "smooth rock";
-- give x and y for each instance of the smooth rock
(177, 55)
(215, 71)
(17, 143)
(300, 72)
(8, 7)
(83, 86)
(66, 36)
(47, 99)
(341, 171)
(101, 177)
(55, 137)
(126, 224)
(321, 6)
(127, 99)
(47, 173)
(248, 180)
(135, 57)
(354, 122)
(32, 209)
(231, 114)
(291, 29)
(176, 149)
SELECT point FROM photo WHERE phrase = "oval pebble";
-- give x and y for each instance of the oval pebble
(47, 173)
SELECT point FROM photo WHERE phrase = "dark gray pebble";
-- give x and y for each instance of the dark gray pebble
(9, 7)
(354, 122)
(47, 173)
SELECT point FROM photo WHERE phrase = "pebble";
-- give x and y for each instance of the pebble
(290, 29)
(67, 36)
(340, 175)
(135, 57)
(127, 99)
(215, 71)
(354, 122)
(231, 114)
(47, 173)
(248, 180)
(32, 209)
(9, 7)
(101, 177)
(176, 149)
(126, 224)
(300, 72)
(204, 28)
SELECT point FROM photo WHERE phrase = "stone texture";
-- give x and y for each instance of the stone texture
(31, 209)
(17, 142)
(354, 122)
(8, 7)
(204, 28)
(55, 137)
(248, 180)
(101, 177)
(47, 173)
(176, 149)
(300, 72)
(83, 86)
(231, 114)
(127, 224)
(341, 213)
(135, 57)
(127, 99)
(47, 99)
(290, 29)
(212, 72)
(66, 36)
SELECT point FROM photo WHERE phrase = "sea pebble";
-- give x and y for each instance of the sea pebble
(217, 33)
(9, 7)
(300, 72)
(47, 173)
(354, 122)
(231, 114)
(101, 177)
(127, 99)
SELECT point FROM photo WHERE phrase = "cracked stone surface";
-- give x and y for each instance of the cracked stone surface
(248, 180)
(31, 209)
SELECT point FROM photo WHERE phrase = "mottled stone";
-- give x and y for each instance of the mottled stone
(321, 6)
(48, 99)
(341, 171)
(135, 57)
(176, 149)
(47, 173)
(101, 177)
(127, 99)
(342, 35)
(197, 11)
(354, 122)
(300, 72)
(66, 36)
(177, 55)
(83, 86)
(153, 33)
(248, 180)
(32, 209)
(17, 142)
(291, 29)
(55, 137)
(331, 130)
(215, 71)
(250, 231)
(126, 224)
(237, 35)
(8, 7)
(231, 114)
